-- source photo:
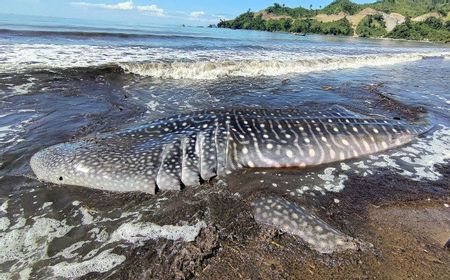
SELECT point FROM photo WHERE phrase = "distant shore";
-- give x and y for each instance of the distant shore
(342, 17)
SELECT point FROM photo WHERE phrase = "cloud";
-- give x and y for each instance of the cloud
(197, 14)
(127, 5)
(153, 9)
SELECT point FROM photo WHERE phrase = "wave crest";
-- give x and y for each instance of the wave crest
(209, 70)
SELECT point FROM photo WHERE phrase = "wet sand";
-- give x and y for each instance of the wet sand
(403, 226)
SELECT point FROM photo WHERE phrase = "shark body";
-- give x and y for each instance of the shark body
(186, 149)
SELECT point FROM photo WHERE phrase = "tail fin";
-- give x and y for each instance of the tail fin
(423, 125)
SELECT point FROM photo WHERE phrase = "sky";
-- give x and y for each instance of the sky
(148, 11)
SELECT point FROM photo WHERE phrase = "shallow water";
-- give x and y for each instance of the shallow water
(58, 82)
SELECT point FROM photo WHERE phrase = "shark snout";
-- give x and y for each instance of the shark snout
(53, 163)
(88, 164)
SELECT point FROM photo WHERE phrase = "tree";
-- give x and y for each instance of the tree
(434, 22)
(371, 26)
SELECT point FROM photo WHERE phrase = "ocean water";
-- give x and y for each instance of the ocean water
(61, 79)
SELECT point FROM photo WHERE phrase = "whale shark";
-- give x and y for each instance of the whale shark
(188, 149)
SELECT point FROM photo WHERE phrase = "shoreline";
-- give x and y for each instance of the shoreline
(342, 36)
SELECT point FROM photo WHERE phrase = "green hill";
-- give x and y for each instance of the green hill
(385, 18)
(412, 8)
(342, 6)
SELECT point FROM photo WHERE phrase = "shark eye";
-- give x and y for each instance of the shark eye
(60, 178)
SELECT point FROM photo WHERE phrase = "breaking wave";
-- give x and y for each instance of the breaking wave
(209, 70)
(196, 64)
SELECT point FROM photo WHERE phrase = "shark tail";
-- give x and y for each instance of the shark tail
(423, 125)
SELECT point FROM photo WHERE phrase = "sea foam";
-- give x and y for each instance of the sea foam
(210, 70)
(25, 242)
(168, 63)
(416, 161)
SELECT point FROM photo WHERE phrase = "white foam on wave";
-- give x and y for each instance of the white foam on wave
(23, 88)
(210, 70)
(416, 161)
(22, 57)
(25, 242)
(12, 125)
(153, 105)
(168, 63)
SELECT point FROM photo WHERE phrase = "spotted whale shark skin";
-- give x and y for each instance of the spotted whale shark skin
(186, 149)
(294, 219)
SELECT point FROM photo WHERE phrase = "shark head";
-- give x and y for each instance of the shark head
(83, 163)
(55, 164)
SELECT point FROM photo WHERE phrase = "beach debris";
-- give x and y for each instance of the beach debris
(327, 88)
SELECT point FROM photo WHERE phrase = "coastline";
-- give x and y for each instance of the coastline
(346, 36)
(430, 22)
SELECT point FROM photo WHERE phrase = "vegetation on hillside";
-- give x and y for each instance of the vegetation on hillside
(340, 27)
(279, 18)
(251, 21)
(246, 20)
(432, 29)
(342, 6)
(371, 26)
(282, 10)
(412, 8)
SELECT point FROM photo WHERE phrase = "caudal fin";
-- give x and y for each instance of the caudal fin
(423, 125)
